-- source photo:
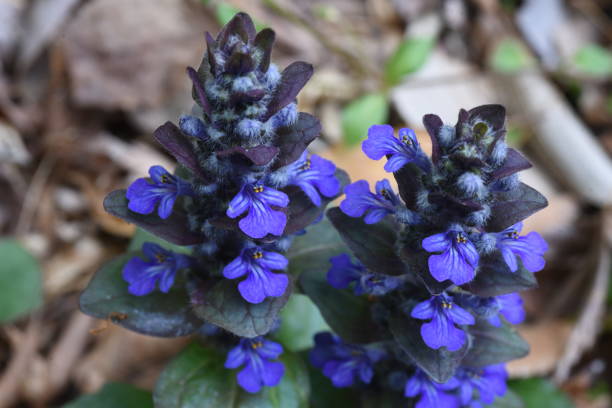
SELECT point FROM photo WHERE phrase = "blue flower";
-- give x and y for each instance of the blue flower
(381, 142)
(159, 265)
(261, 219)
(164, 189)
(260, 282)
(343, 272)
(458, 260)
(344, 363)
(359, 201)
(487, 382)
(312, 174)
(432, 394)
(444, 315)
(255, 354)
(511, 307)
(530, 248)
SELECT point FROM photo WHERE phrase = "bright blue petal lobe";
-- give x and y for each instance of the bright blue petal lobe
(256, 355)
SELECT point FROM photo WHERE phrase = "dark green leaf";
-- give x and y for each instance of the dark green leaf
(494, 345)
(300, 321)
(509, 400)
(348, 315)
(594, 60)
(514, 206)
(510, 56)
(439, 364)
(20, 281)
(540, 393)
(222, 305)
(173, 229)
(325, 395)
(197, 378)
(495, 278)
(363, 112)
(155, 314)
(409, 57)
(141, 236)
(373, 245)
(115, 395)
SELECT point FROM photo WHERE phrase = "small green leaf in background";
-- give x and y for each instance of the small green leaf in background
(359, 115)
(300, 321)
(224, 12)
(594, 60)
(115, 395)
(510, 56)
(540, 393)
(20, 281)
(409, 57)
(509, 400)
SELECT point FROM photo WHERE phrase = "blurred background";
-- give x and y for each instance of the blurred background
(83, 84)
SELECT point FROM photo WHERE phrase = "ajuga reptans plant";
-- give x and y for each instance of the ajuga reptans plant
(213, 258)
(419, 288)
(429, 282)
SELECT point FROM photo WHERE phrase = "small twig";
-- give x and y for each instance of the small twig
(596, 16)
(34, 193)
(24, 346)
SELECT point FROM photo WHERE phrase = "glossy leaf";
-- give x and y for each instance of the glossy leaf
(514, 206)
(409, 57)
(222, 305)
(373, 245)
(294, 139)
(293, 78)
(360, 114)
(20, 281)
(197, 378)
(156, 314)
(114, 395)
(439, 364)
(495, 278)
(494, 345)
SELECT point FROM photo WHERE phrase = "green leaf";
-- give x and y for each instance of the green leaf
(540, 393)
(141, 236)
(156, 314)
(300, 321)
(359, 115)
(325, 395)
(409, 57)
(20, 281)
(224, 12)
(493, 345)
(439, 364)
(509, 400)
(594, 60)
(222, 305)
(510, 56)
(115, 395)
(197, 378)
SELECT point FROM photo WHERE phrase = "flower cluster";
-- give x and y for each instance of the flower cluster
(454, 259)
(243, 188)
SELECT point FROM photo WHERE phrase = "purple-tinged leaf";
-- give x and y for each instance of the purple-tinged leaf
(494, 345)
(263, 41)
(252, 95)
(258, 155)
(416, 261)
(198, 91)
(293, 79)
(236, 26)
(249, 26)
(174, 229)
(211, 45)
(461, 122)
(172, 139)
(222, 305)
(494, 278)
(494, 115)
(514, 206)
(513, 163)
(156, 314)
(433, 124)
(409, 184)
(294, 139)
(373, 245)
(239, 63)
(439, 364)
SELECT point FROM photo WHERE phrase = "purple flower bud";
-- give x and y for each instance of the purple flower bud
(192, 126)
